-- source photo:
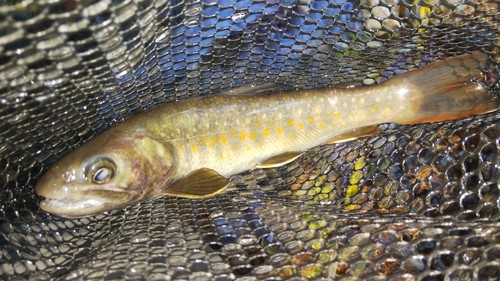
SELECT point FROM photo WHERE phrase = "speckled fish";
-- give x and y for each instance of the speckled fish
(190, 148)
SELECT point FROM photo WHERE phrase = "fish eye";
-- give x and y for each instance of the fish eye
(102, 175)
(100, 170)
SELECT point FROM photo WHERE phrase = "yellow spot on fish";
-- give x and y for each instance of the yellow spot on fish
(266, 132)
(252, 136)
(321, 124)
(221, 155)
(270, 122)
(194, 148)
(310, 119)
(257, 124)
(234, 147)
(337, 115)
(248, 148)
(301, 126)
(279, 130)
(213, 142)
(243, 136)
(232, 133)
(373, 108)
(223, 139)
(204, 141)
(182, 148)
(291, 122)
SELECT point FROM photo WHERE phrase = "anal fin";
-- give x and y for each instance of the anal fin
(280, 160)
(354, 134)
(199, 183)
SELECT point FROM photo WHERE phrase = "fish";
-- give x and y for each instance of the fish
(190, 148)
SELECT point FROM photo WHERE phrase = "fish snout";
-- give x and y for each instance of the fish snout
(50, 185)
(42, 186)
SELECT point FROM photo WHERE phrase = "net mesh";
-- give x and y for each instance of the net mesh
(413, 203)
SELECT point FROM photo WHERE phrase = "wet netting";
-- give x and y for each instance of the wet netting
(415, 202)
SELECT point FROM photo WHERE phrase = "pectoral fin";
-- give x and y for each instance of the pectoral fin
(354, 134)
(199, 183)
(280, 160)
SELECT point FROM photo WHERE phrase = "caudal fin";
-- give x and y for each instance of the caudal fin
(449, 89)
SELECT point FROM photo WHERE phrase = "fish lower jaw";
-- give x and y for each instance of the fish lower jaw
(73, 208)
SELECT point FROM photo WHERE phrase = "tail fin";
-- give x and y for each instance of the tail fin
(449, 89)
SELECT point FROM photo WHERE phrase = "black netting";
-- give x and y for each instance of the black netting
(413, 203)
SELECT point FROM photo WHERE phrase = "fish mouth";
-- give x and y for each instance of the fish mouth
(71, 208)
(82, 207)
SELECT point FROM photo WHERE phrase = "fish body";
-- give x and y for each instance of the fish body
(231, 134)
(190, 148)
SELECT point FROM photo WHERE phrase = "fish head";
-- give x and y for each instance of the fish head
(113, 170)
